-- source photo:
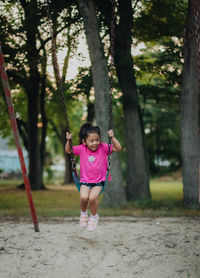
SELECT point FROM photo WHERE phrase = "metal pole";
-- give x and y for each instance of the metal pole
(11, 111)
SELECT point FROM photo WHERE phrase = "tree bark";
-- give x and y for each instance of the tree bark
(114, 190)
(101, 85)
(32, 92)
(43, 114)
(190, 114)
(137, 178)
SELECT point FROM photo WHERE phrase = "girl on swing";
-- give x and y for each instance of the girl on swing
(93, 167)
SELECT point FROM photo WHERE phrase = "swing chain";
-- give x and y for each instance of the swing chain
(112, 63)
(112, 68)
(197, 34)
(59, 80)
(58, 77)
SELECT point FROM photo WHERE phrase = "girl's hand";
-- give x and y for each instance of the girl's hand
(68, 136)
(111, 134)
(116, 145)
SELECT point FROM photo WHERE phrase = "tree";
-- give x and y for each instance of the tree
(30, 24)
(158, 74)
(137, 177)
(190, 108)
(60, 81)
(26, 47)
(137, 182)
(83, 87)
(101, 86)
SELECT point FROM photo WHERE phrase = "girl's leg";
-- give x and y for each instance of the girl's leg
(94, 217)
(84, 197)
(93, 199)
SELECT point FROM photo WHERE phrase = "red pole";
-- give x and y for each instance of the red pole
(11, 111)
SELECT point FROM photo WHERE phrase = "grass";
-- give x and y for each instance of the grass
(62, 201)
(166, 189)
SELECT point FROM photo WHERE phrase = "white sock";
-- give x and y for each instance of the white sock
(84, 212)
(94, 216)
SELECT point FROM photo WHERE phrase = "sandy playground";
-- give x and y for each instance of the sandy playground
(121, 247)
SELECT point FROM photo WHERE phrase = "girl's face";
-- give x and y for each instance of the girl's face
(92, 141)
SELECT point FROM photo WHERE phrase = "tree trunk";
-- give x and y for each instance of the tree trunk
(90, 112)
(190, 114)
(34, 148)
(101, 85)
(114, 190)
(43, 115)
(32, 94)
(137, 184)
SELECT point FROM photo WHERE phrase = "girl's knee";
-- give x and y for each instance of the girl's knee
(92, 199)
(84, 198)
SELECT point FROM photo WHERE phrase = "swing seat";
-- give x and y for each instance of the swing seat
(77, 180)
(106, 180)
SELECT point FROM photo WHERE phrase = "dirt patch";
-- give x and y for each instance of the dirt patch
(175, 176)
(120, 247)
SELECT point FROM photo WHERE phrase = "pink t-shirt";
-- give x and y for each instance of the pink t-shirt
(93, 165)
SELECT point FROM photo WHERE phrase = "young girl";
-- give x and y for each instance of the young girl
(93, 167)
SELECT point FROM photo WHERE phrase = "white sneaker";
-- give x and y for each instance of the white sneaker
(84, 220)
(92, 223)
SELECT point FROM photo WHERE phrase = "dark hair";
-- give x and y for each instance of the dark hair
(86, 129)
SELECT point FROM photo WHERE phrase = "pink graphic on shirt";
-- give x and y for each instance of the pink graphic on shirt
(93, 165)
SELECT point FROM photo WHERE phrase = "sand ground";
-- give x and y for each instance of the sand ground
(121, 247)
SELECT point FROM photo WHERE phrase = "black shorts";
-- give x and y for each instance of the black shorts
(91, 185)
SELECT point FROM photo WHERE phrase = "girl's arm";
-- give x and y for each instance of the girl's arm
(67, 145)
(116, 145)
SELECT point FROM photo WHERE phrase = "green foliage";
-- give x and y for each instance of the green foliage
(157, 18)
(158, 73)
(13, 31)
(159, 24)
